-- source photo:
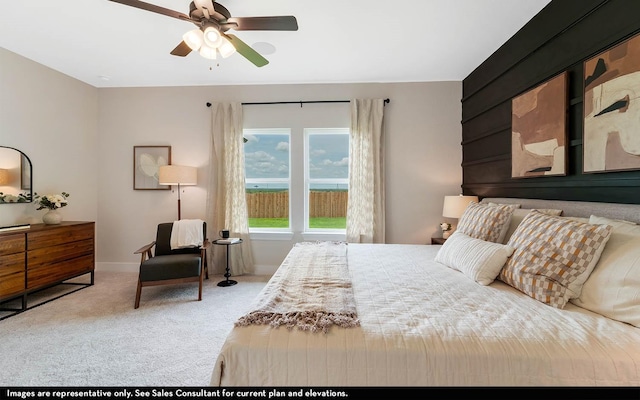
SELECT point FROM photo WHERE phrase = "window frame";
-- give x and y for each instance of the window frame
(298, 188)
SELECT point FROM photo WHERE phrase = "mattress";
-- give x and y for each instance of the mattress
(424, 324)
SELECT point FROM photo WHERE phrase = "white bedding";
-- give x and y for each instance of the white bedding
(424, 324)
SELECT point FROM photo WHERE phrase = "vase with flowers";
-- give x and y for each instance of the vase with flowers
(51, 202)
(446, 229)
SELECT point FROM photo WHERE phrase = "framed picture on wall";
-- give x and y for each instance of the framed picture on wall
(611, 136)
(146, 162)
(539, 130)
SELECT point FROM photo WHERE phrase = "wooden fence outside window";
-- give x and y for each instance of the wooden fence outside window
(275, 204)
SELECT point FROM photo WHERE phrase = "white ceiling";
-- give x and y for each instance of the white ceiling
(107, 44)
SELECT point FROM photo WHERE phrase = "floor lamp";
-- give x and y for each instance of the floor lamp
(178, 175)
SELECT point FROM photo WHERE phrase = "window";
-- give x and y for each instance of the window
(326, 178)
(297, 182)
(267, 183)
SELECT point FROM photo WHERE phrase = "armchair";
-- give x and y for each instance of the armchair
(169, 266)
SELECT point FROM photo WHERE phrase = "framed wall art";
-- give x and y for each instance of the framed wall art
(146, 162)
(611, 136)
(539, 130)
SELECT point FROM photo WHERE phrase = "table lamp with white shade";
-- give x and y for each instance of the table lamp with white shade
(178, 175)
(454, 206)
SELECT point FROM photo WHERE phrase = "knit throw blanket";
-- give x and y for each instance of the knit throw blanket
(311, 291)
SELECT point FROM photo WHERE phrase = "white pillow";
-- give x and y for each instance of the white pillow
(613, 288)
(477, 259)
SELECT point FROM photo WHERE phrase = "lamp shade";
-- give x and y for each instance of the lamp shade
(226, 48)
(4, 176)
(193, 39)
(207, 52)
(454, 206)
(177, 175)
(212, 37)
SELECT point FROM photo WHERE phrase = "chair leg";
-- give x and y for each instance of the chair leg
(138, 293)
(206, 266)
(200, 286)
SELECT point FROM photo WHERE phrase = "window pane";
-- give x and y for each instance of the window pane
(268, 205)
(267, 178)
(328, 206)
(266, 156)
(327, 178)
(328, 156)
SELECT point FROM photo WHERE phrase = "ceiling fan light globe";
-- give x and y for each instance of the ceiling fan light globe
(208, 52)
(226, 48)
(193, 39)
(212, 37)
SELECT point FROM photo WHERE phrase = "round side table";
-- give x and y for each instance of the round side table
(227, 274)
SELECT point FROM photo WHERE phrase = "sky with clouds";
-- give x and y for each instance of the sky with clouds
(267, 156)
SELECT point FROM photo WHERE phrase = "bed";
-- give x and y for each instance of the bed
(422, 322)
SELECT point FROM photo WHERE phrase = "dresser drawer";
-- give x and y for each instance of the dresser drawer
(11, 284)
(11, 274)
(62, 252)
(46, 274)
(11, 263)
(11, 244)
(55, 237)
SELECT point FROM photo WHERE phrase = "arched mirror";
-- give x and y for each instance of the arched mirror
(15, 176)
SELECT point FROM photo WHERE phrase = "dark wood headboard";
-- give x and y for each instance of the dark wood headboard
(560, 38)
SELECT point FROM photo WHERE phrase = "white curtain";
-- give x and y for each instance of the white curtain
(226, 202)
(365, 207)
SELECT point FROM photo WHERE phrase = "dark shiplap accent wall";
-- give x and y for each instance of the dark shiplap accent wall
(560, 38)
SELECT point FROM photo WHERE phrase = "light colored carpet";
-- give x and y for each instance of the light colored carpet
(94, 337)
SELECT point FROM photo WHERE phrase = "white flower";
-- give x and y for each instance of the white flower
(445, 226)
(9, 198)
(51, 201)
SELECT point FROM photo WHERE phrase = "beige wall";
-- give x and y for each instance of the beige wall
(53, 119)
(422, 150)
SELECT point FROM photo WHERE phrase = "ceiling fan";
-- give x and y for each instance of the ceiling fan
(213, 21)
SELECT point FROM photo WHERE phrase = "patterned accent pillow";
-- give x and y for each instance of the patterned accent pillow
(489, 223)
(520, 213)
(551, 255)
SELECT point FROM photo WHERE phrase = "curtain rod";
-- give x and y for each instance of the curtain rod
(386, 101)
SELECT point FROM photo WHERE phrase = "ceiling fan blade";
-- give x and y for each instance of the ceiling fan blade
(246, 51)
(280, 23)
(181, 50)
(153, 8)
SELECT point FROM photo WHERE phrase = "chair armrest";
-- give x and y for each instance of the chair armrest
(145, 251)
(203, 253)
(145, 248)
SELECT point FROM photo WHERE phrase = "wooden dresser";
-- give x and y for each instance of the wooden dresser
(42, 256)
